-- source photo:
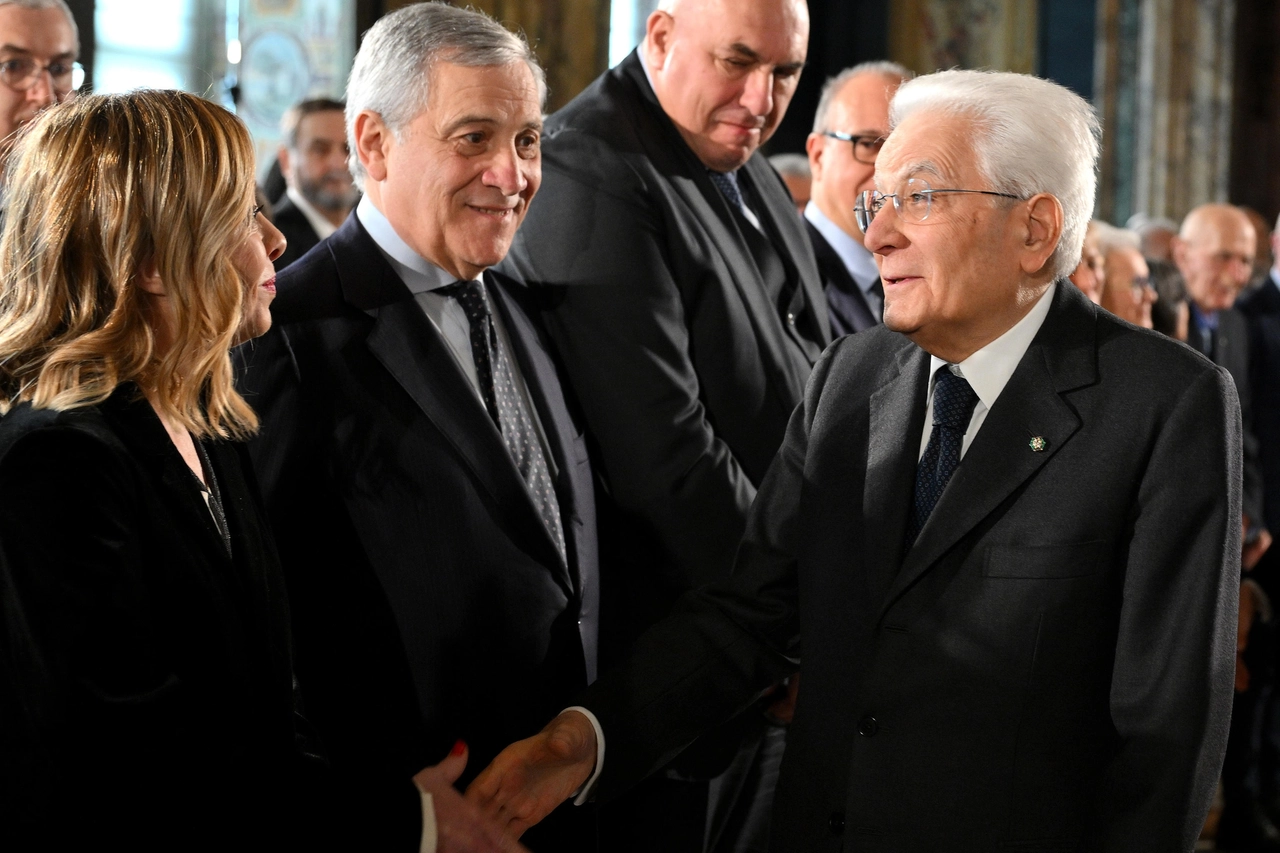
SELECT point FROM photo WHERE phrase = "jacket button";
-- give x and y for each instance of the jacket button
(836, 823)
(791, 318)
(867, 726)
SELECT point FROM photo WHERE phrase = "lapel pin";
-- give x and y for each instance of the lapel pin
(1038, 444)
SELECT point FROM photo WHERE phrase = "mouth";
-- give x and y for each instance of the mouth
(897, 280)
(269, 285)
(500, 213)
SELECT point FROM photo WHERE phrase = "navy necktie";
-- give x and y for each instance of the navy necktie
(953, 403)
(727, 183)
(506, 405)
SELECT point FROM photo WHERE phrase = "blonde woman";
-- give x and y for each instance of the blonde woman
(146, 687)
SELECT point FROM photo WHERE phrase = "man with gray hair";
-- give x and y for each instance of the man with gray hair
(849, 127)
(427, 483)
(39, 42)
(313, 159)
(796, 174)
(1001, 537)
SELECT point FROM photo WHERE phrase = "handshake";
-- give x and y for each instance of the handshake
(519, 788)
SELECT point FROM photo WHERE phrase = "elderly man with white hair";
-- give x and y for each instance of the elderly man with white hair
(39, 43)
(1001, 534)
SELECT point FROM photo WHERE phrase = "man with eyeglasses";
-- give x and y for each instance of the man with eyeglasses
(1000, 538)
(39, 43)
(1126, 280)
(849, 127)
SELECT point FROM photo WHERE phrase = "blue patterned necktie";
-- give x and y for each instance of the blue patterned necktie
(727, 183)
(506, 405)
(953, 403)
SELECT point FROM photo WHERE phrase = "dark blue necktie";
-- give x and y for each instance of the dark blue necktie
(506, 404)
(727, 183)
(953, 402)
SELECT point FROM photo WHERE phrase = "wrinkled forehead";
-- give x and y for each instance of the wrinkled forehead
(935, 146)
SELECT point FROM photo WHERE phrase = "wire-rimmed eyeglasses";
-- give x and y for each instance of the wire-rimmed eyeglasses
(865, 148)
(913, 202)
(20, 73)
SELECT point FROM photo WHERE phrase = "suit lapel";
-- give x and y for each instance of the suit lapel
(832, 266)
(413, 352)
(896, 414)
(1001, 458)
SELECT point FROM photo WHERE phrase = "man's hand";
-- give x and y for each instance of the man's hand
(531, 777)
(460, 826)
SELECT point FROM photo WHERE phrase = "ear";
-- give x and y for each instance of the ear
(282, 154)
(1042, 229)
(148, 278)
(814, 146)
(657, 39)
(1178, 251)
(373, 143)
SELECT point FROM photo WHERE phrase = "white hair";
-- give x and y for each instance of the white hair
(1112, 239)
(38, 5)
(831, 88)
(1030, 136)
(391, 74)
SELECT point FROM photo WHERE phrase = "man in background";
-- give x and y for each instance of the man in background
(849, 127)
(688, 312)
(1126, 283)
(796, 174)
(39, 43)
(313, 159)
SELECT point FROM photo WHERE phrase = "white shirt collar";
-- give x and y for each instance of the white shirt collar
(322, 226)
(988, 370)
(860, 263)
(419, 274)
(1275, 277)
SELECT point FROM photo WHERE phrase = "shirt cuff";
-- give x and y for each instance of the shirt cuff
(430, 838)
(584, 793)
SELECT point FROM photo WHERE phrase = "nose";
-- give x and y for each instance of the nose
(272, 240)
(41, 89)
(883, 234)
(506, 171)
(757, 92)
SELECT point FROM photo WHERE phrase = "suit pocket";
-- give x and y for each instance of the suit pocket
(1044, 561)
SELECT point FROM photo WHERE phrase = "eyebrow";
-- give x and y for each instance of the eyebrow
(920, 166)
(487, 120)
(13, 48)
(749, 53)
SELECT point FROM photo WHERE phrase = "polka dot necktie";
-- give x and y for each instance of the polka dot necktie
(727, 183)
(953, 404)
(506, 405)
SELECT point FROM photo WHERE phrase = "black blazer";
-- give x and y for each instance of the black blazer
(846, 303)
(1231, 350)
(686, 371)
(297, 231)
(430, 602)
(146, 692)
(1049, 668)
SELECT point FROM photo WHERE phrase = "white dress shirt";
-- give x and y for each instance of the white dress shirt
(319, 224)
(860, 263)
(988, 370)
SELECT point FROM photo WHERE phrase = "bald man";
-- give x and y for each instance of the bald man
(688, 312)
(849, 127)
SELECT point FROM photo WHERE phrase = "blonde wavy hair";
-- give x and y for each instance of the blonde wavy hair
(98, 187)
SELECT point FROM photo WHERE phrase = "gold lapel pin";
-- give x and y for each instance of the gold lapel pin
(1038, 444)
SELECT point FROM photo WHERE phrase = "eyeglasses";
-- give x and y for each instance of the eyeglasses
(22, 72)
(913, 202)
(865, 148)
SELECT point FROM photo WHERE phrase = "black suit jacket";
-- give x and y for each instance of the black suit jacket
(430, 602)
(297, 231)
(1049, 668)
(846, 303)
(686, 371)
(1261, 309)
(146, 689)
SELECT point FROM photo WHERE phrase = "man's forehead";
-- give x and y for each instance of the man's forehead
(315, 124)
(47, 31)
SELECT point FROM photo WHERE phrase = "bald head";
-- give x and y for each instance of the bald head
(724, 71)
(1214, 251)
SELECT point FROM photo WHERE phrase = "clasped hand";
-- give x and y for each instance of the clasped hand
(531, 777)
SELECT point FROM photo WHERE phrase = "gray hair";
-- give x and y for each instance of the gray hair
(39, 5)
(832, 87)
(795, 165)
(1112, 239)
(391, 74)
(1031, 136)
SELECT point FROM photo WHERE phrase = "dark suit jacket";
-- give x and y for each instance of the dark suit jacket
(297, 231)
(686, 371)
(430, 602)
(846, 303)
(1261, 309)
(146, 689)
(1231, 350)
(1049, 668)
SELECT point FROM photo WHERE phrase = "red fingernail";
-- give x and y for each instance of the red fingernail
(458, 748)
